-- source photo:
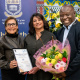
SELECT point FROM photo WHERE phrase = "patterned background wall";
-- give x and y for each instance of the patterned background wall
(40, 6)
(46, 7)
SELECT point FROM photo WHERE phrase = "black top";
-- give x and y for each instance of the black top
(32, 46)
(7, 43)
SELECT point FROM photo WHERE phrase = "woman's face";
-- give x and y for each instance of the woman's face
(38, 23)
(11, 26)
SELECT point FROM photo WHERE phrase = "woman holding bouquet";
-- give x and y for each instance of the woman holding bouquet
(38, 36)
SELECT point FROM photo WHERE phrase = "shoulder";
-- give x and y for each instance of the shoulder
(49, 34)
(77, 24)
(21, 37)
(28, 37)
(59, 31)
(77, 27)
(2, 38)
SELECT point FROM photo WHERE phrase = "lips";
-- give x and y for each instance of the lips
(66, 22)
(11, 29)
(38, 25)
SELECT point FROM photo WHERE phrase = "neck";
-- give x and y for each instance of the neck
(39, 30)
(38, 33)
(12, 35)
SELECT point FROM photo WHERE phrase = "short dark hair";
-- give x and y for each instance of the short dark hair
(31, 28)
(68, 5)
(9, 18)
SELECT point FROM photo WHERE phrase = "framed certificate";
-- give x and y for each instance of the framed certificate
(23, 60)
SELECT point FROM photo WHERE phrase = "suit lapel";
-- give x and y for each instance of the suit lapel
(61, 33)
(71, 33)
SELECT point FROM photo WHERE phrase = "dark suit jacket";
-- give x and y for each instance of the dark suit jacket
(73, 71)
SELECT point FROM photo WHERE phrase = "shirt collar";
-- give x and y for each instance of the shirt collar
(69, 25)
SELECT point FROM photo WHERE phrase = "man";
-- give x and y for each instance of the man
(70, 31)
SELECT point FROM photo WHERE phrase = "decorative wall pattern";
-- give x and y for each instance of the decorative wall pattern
(40, 6)
(47, 7)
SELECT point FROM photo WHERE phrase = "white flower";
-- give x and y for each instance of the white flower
(63, 64)
(55, 29)
(43, 60)
(77, 18)
(57, 66)
(58, 21)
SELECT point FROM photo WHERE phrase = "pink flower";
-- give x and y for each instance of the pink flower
(50, 64)
(57, 66)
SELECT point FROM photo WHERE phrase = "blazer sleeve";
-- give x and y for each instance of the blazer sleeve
(4, 64)
(75, 63)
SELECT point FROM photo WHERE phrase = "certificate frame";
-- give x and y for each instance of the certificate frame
(23, 60)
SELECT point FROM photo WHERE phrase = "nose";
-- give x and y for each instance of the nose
(11, 25)
(64, 17)
(37, 21)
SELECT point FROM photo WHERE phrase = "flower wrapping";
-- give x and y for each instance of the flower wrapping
(52, 57)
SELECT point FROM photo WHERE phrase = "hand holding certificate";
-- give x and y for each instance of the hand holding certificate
(23, 60)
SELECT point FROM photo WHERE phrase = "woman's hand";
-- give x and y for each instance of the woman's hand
(13, 64)
(33, 70)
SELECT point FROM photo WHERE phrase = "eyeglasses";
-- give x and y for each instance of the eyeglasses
(9, 24)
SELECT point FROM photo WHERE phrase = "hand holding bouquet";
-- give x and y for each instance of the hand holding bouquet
(52, 57)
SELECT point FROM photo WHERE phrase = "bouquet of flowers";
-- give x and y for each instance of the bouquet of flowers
(52, 57)
(78, 17)
(54, 23)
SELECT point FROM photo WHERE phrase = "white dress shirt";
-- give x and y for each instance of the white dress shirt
(66, 31)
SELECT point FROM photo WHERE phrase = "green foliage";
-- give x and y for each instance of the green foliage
(52, 57)
(64, 54)
(50, 54)
(43, 55)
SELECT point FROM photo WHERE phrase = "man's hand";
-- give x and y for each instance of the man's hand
(60, 75)
(13, 64)
(33, 70)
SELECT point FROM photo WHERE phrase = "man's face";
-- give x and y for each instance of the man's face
(67, 16)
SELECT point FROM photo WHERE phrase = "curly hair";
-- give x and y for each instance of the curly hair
(31, 27)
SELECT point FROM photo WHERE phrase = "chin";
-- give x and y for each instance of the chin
(66, 25)
(11, 32)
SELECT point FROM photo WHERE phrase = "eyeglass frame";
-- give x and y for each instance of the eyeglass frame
(10, 18)
(9, 24)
